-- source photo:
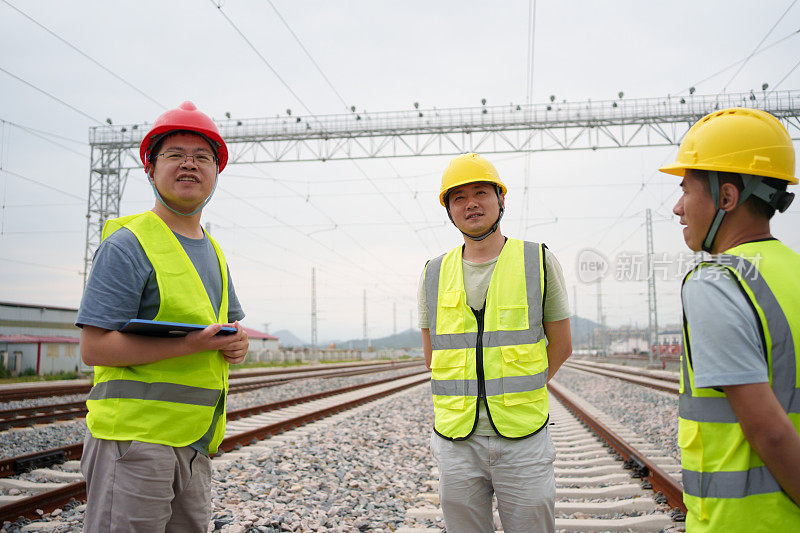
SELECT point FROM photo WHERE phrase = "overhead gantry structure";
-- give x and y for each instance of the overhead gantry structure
(590, 125)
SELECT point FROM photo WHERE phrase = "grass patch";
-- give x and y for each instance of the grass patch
(29, 375)
(269, 364)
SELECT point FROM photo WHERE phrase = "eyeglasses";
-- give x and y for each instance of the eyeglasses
(201, 158)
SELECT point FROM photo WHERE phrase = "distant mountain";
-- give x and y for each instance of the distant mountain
(582, 330)
(410, 338)
(287, 338)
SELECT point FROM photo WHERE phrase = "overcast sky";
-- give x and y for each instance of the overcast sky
(275, 221)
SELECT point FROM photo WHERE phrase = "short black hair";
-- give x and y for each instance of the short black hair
(446, 196)
(155, 148)
(756, 205)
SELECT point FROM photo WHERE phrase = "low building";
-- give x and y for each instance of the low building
(669, 344)
(263, 346)
(39, 338)
(45, 354)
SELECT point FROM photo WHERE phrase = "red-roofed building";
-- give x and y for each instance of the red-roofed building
(263, 346)
(40, 338)
(46, 354)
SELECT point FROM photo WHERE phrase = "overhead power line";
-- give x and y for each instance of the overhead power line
(296, 38)
(787, 75)
(28, 263)
(36, 133)
(37, 182)
(759, 45)
(56, 98)
(330, 84)
(261, 56)
(771, 45)
(48, 133)
(528, 98)
(84, 54)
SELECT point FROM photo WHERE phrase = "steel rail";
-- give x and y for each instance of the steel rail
(652, 383)
(251, 411)
(68, 411)
(250, 436)
(22, 463)
(658, 374)
(45, 501)
(660, 480)
(43, 391)
(50, 500)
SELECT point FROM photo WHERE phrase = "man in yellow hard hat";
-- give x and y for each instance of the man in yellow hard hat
(495, 328)
(739, 428)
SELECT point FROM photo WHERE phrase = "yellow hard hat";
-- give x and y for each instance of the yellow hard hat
(739, 140)
(468, 168)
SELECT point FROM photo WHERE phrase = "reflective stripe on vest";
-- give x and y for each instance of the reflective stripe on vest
(494, 387)
(171, 401)
(737, 484)
(162, 392)
(512, 343)
(726, 494)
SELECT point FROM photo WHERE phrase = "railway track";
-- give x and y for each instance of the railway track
(47, 390)
(49, 412)
(245, 427)
(607, 479)
(659, 380)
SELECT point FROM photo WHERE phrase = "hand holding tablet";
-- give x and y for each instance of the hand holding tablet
(155, 328)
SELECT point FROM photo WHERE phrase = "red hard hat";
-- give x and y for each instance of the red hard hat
(185, 117)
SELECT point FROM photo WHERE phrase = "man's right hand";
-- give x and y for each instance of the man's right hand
(233, 347)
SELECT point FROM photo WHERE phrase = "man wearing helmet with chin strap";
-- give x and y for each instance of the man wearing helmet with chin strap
(157, 407)
(495, 328)
(739, 415)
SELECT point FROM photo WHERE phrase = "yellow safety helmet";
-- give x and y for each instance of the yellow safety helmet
(468, 168)
(738, 140)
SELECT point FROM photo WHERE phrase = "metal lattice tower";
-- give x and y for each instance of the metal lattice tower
(314, 307)
(106, 184)
(601, 318)
(366, 337)
(652, 304)
(590, 125)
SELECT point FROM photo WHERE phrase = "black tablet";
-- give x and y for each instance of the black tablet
(156, 328)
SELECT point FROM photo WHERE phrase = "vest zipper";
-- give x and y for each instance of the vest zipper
(479, 354)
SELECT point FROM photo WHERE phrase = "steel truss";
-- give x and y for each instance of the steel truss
(426, 132)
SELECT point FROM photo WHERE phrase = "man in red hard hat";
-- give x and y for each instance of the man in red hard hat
(157, 407)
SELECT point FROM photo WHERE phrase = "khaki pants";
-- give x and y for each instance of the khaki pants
(134, 486)
(518, 472)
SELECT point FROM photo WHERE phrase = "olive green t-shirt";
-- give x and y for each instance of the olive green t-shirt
(476, 284)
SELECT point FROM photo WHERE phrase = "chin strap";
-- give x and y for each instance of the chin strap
(753, 186)
(160, 199)
(490, 230)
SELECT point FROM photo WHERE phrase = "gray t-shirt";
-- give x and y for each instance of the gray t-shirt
(725, 338)
(122, 284)
(476, 284)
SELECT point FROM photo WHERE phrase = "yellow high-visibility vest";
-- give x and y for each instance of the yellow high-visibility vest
(170, 401)
(496, 355)
(726, 485)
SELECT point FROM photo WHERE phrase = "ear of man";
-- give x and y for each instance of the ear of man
(728, 196)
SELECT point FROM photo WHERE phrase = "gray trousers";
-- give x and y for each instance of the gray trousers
(518, 472)
(134, 486)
